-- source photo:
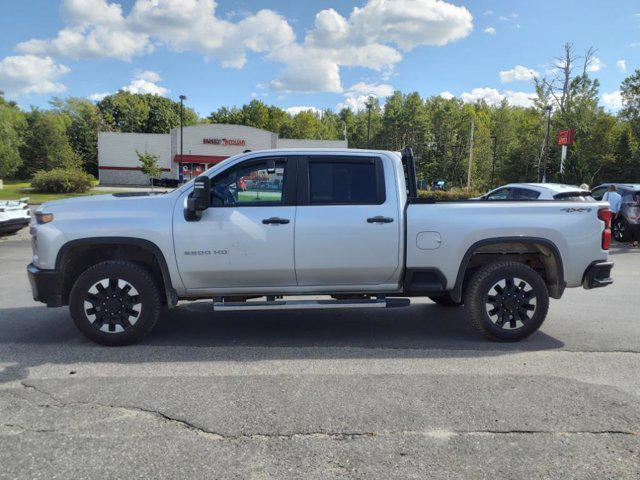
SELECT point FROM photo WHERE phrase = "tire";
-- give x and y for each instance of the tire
(620, 230)
(115, 320)
(445, 300)
(506, 301)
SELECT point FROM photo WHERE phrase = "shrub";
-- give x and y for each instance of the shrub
(450, 195)
(61, 180)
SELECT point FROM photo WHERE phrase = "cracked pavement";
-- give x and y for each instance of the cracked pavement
(407, 393)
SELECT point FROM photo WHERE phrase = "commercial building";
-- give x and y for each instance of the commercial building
(204, 145)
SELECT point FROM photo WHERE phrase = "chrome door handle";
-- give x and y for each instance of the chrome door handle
(275, 221)
(379, 219)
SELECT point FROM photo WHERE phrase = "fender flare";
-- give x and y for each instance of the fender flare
(171, 293)
(555, 290)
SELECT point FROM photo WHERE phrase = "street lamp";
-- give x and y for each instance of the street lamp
(548, 108)
(182, 99)
(369, 104)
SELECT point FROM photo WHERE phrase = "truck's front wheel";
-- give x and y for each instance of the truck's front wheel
(507, 301)
(115, 302)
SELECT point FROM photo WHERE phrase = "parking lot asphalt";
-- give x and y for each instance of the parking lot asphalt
(402, 393)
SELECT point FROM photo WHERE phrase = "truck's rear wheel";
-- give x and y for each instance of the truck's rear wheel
(506, 301)
(115, 302)
(445, 300)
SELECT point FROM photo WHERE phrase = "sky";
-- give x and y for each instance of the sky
(307, 54)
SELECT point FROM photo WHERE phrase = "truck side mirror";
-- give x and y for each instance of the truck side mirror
(199, 200)
(271, 166)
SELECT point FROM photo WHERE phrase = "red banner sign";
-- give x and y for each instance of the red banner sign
(235, 142)
(565, 137)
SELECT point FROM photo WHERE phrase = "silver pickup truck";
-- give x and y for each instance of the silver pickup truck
(263, 227)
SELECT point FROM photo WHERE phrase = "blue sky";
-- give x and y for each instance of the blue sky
(308, 53)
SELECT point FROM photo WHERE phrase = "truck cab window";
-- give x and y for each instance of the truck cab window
(250, 185)
(342, 183)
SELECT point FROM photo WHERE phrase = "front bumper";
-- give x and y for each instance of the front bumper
(597, 275)
(46, 285)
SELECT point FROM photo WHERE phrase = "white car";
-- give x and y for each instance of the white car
(536, 191)
(14, 215)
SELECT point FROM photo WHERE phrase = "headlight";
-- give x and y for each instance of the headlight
(44, 217)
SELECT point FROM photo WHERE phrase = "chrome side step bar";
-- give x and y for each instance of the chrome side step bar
(311, 304)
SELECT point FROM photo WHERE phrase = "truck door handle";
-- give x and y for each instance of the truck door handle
(275, 221)
(380, 219)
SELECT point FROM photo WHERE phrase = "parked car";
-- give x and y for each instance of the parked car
(14, 215)
(347, 224)
(537, 191)
(626, 227)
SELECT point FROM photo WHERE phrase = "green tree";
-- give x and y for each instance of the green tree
(149, 166)
(46, 145)
(630, 92)
(143, 113)
(85, 121)
(12, 129)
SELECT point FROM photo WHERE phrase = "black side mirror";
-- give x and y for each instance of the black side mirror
(199, 200)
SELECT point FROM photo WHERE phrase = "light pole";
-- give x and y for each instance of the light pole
(546, 144)
(182, 99)
(494, 137)
(369, 106)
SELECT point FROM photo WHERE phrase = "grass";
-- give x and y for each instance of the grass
(15, 189)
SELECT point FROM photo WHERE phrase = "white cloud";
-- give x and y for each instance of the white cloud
(490, 31)
(98, 96)
(357, 95)
(447, 95)
(488, 12)
(494, 98)
(23, 74)
(489, 95)
(296, 110)
(519, 72)
(613, 100)
(146, 82)
(595, 65)
(375, 89)
(520, 99)
(622, 65)
(370, 37)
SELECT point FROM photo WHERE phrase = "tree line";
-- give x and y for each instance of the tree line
(508, 140)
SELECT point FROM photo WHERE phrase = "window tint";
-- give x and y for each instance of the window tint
(250, 185)
(342, 183)
(501, 194)
(523, 194)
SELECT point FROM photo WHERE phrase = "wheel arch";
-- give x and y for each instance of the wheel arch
(521, 249)
(77, 255)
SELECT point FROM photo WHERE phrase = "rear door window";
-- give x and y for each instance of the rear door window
(523, 194)
(344, 183)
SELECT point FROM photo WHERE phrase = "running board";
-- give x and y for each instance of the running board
(311, 304)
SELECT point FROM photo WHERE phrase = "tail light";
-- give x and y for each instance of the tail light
(604, 214)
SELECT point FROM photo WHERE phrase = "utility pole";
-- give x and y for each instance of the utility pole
(546, 144)
(473, 127)
(180, 173)
(369, 106)
(494, 137)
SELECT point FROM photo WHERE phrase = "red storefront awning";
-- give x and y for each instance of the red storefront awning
(199, 158)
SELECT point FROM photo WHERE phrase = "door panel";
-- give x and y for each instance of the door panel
(247, 239)
(346, 233)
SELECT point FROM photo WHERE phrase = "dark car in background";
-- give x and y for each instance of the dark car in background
(626, 227)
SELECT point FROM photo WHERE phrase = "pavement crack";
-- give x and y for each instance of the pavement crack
(442, 434)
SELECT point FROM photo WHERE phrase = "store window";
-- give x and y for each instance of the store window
(251, 185)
